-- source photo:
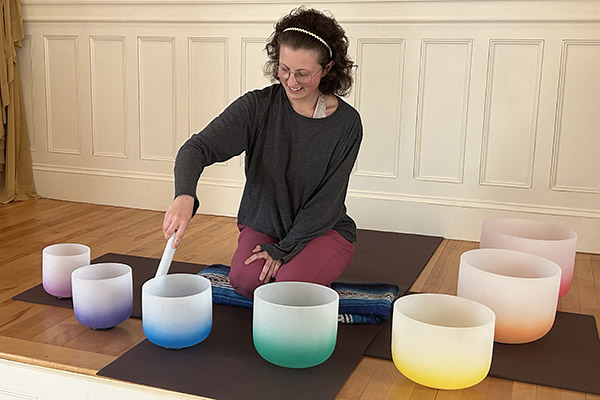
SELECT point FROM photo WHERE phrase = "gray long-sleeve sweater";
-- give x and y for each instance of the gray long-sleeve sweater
(297, 168)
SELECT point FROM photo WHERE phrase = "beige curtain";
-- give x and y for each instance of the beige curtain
(16, 175)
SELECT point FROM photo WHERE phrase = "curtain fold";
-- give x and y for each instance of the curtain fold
(16, 174)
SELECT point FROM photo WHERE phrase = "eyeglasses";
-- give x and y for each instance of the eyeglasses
(304, 78)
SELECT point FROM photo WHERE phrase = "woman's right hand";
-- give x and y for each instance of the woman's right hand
(178, 217)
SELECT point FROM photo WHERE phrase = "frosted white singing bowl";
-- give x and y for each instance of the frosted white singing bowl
(521, 288)
(540, 238)
(295, 323)
(102, 294)
(442, 341)
(177, 310)
(58, 263)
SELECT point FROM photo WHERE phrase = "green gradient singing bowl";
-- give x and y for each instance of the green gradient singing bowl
(295, 323)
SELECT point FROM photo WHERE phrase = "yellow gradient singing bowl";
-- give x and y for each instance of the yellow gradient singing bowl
(442, 341)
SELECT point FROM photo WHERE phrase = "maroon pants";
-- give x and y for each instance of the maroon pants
(322, 260)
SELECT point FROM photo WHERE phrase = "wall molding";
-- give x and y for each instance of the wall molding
(356, 194)
(476, 204)
(121, 174)
(355, 20)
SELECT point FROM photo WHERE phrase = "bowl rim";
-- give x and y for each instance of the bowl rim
(318, 286)
(455, 298)
(152, 281)
(572, 235)
(551, 264)
(83, 247)
(84, 268)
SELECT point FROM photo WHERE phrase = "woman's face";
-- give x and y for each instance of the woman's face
(299, 73)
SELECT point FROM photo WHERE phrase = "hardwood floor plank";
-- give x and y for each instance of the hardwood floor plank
(358, 381)
(57, 357)
(523, 391)
(431, 264)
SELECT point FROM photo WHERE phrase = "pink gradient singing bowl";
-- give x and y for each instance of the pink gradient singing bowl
(521, 289)
(58, 263)
(102, 294)
(544, 239)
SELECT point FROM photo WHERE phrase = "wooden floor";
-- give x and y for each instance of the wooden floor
(50, 336)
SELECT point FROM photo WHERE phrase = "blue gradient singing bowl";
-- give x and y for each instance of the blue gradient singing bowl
(102, 294)
(177, 310)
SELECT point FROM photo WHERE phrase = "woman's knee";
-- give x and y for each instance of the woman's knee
(243, 280)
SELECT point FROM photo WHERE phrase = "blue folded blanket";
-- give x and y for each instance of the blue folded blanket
(360, 303)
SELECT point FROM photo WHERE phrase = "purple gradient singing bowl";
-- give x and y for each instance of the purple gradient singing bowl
(102, 294)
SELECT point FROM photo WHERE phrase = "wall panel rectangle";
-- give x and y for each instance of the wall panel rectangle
(157, 85)
(62, 103)
(208, 70)
(25, 61)
(253, 60)
(379, 100)
(444, 81)
(511, 112)
(576, 164)
(109, 105)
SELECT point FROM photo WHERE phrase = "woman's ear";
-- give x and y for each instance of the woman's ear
(328, 67)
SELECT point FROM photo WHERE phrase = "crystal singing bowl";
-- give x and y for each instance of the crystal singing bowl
(521, 288)
(540, 238)
(58, 263)
(295, 323)
(102, 294)
(177, 310)
(442, 341)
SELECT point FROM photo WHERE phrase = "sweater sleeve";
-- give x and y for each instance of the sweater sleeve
(227, 136)
(326, 207)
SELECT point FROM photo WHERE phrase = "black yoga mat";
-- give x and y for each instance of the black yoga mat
(389, 257)
(226, 366)
(567, 357)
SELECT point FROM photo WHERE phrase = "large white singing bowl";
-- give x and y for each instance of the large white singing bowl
(58, 263)
(177, 310)
(521, 288)
(295, 323)
(442, 341)
(102, 294)
(540, 238)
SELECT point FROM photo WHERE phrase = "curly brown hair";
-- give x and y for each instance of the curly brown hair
(339, 78)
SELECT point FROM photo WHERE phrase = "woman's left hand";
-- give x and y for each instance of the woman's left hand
(271, 266)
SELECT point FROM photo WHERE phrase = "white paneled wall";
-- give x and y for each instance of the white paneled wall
(471, 109)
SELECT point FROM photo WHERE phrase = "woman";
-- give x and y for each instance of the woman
(301, 141)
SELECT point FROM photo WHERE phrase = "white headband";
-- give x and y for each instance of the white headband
(313, 35)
